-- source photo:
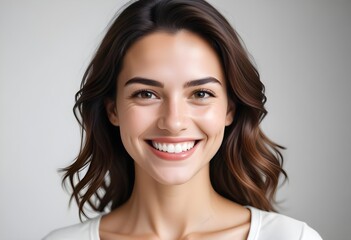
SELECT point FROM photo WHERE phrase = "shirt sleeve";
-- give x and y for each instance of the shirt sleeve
(309, 234)
(88, 230)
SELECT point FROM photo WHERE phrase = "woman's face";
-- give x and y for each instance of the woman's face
(171, 105)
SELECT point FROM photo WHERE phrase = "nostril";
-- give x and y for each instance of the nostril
(172, 124)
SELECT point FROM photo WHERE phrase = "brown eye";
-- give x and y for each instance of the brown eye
(202, 94)
(144, 94)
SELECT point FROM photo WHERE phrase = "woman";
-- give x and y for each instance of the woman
(170, 108)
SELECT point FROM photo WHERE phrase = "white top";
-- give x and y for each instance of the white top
(264, 226)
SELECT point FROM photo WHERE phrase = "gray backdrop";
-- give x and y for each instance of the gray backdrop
(301, 48)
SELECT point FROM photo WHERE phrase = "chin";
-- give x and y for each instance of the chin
(172, 178)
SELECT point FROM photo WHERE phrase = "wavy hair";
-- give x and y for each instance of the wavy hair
(247, 167)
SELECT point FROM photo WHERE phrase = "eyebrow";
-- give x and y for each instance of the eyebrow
(155, 83)
(201, 81)
(144, 81)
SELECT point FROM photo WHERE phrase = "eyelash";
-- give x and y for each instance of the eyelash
(137, 93)
(206, 91)
(140, 91)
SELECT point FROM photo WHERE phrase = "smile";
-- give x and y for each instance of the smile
(173, 147)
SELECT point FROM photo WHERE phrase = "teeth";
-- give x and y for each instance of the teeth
(173, 147)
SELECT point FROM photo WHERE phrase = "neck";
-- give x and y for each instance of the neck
(172, 211)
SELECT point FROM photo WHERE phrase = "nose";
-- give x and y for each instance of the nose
(173, 116)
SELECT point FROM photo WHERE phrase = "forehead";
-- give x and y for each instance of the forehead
(163, 55)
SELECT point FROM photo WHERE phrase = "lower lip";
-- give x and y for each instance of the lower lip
(173, 156)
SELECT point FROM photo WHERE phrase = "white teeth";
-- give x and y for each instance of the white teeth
(163, 147)
(170, 148)
(184, 147)
(178, 148)
(173, 148)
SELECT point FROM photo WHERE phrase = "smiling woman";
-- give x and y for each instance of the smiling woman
(170, 108)
(176, 112)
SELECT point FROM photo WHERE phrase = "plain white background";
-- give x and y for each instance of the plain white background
(301, 48)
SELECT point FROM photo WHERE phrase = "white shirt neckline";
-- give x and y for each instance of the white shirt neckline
(255, 224)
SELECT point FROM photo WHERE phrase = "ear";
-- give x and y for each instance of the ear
(111, 110)
(230, 113)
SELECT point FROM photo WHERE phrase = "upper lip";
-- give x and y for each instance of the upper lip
(173, 140)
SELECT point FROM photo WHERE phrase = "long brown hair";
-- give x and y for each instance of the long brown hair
(247, 166)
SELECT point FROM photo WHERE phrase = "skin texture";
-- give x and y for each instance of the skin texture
(186, 101)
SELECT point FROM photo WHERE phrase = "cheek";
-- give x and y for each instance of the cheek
(212, 123)
(134, 121)
(211, 119)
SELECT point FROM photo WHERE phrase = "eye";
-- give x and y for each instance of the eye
(202, 94)
(144, 94)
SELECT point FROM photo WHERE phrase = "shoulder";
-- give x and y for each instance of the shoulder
(270, 225)
(88, 230)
